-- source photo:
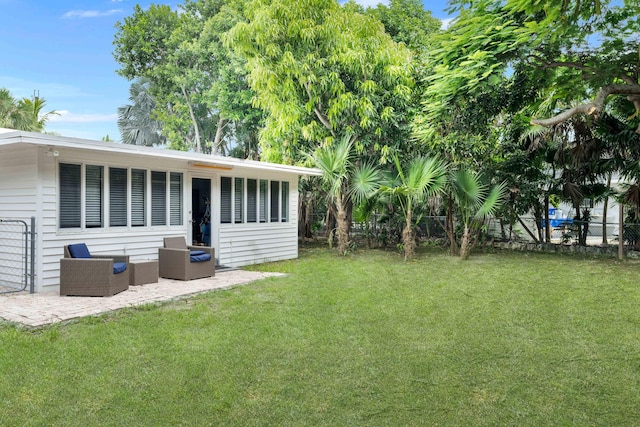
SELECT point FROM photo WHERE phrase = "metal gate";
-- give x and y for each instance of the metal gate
(17, 255)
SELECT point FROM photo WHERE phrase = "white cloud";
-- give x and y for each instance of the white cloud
(66, 116)
(90, 13)
(446, 22)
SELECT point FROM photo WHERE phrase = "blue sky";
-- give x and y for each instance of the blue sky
(63, 51)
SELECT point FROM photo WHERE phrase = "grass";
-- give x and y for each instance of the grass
(502, 339)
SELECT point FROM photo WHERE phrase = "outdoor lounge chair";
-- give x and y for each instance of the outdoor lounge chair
(83, 274)
(179, 261)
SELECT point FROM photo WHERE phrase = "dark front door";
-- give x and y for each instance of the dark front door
(201, 211)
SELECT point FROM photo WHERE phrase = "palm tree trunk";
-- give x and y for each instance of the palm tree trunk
(465, 246)
(343, 228)
(407, 238)
(453, 245)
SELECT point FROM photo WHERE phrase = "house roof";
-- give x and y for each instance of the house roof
(55, 142)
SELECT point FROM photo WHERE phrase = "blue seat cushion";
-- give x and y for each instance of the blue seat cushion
(119, 267)
(196, 253)
(200, 258)
(79, 250)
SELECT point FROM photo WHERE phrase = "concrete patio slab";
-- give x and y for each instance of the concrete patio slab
(49, 307)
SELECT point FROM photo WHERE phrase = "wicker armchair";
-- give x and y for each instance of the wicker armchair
(178, 261)
(92, 275)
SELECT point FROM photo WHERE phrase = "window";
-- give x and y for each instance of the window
(70, 195)
(275, 199)
(225, 200)
(264, 201)
(285, 202)
(117, 197)
(158, 198)
(93, 197)
(238, 214)
(252, 200)
(138, 197)
(175, 196)
(85, 191)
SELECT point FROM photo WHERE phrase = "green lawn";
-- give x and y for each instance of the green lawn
(502, 339)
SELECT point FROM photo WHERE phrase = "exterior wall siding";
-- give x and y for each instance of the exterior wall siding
(29, 187)
(256, 243)
(18, 183)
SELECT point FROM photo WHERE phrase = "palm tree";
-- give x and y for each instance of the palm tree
(345, 182)
(135, 122)
(475, 200)
(24, 114)
(424, 178)
(33, 108)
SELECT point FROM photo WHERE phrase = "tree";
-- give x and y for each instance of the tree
(135, 121)
(474, 201)
(198, 84)
(423, 178)
(577, 49)
(344, 181)
(23, 114)
(322, 71)
(407, 22)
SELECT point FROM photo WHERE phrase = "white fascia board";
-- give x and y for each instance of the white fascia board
(8, 137)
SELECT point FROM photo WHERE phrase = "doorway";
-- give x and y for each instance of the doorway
(201, 211)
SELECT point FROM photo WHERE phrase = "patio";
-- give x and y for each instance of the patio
(45, 308)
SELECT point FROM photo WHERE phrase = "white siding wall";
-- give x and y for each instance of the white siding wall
(137, 242)
(244, 244)
(17, 202)
(29, 188)
(18, 183)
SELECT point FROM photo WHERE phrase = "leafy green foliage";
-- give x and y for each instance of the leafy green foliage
(322, 71)
(199, 85)
(135, 121)
(23, 114)
(344, 181)
(407, 22)
(474, 200)
(424, 177)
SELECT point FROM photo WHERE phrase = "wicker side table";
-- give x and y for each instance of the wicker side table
(143, 271)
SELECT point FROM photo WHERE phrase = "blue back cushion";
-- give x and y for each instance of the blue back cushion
(196, 253)
(119, 267)
(79, 250)
(200, 258)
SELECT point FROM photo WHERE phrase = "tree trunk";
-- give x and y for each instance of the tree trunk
(301, 219)
(193, 119)
(218, 137)
(408, 239)
(330, 221)
(578, 222)
(547, 231)
(307, 220)
(343, 229)
(527, 230)
(453, 245)
(465, 246)
(605, 208)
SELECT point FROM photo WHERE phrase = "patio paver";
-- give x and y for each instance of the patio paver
(49, 307)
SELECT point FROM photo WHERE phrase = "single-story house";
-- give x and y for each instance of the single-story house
(120, 198)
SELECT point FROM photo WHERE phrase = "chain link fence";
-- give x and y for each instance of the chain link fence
(566, 231)
(17, 255)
